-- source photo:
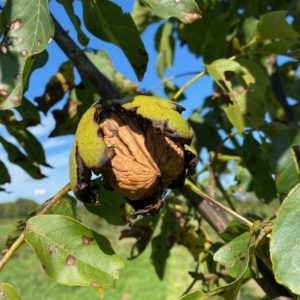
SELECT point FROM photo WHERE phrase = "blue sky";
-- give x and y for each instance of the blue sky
(58, 149)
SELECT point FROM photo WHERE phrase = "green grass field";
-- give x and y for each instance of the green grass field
(137, 280)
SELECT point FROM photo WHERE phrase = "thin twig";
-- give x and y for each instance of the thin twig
(189, 83)
(45, 209)
(220, 206)
(85, 67)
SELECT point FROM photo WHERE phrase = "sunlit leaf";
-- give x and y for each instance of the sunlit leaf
(66, 207)
(107, 21)
(284, 247)
(142, 16)
(22, 19)
(8, 292)
(232, 254)
(72, 254)
(104, 64)
(186, 11)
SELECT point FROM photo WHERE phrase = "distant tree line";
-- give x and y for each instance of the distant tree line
(18, 209)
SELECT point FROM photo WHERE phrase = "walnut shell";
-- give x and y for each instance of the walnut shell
(144, 162)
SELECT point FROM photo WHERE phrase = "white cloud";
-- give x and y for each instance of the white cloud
(40, 192)
(56, 142)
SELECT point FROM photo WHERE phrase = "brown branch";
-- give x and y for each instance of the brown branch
(208, 210)
(85, 67)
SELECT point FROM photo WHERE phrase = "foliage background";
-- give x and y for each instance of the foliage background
(247, 126)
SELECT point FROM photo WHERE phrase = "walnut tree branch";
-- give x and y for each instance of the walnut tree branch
(85, 67)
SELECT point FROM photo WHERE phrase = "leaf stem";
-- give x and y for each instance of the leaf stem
(189, 83)
(45, 209)
(206, 197)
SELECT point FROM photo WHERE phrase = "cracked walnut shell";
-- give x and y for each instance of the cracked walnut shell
(144, 161)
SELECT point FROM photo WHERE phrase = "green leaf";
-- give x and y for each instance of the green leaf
(68, 6)
(246, 84)
(72, 254)
(57, 87)
(107, 21)
(17, 157)
(80, 99)
(8, 292)
(273, 25)
(103, 62)
(235, 109)
(4, 175)
(142, 231)
(165, 47)
(111, 207)
(30, 29)
(284, 245)
(230, 290)
(283, 157)
(29, 113)
(66, 207)
(208, 37)
(264, 184)
(29, 142)
(291, 79)
(162, 243)
(196, 295)
(142, 16)
(232, 254)
(186, 11)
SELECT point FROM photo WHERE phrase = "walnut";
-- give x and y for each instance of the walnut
(144, 162)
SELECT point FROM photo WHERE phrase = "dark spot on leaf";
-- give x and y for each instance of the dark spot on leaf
(19, 40)
(70, 261)
(95, 284)
(3, 294)
(191, 17)
(44, 267)
(3, 92)
(3, 49)
(24, 52)
(52, 249)
(16, 100)
(17, 24)
(86, 240)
